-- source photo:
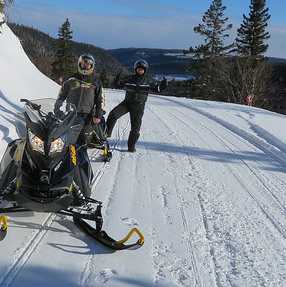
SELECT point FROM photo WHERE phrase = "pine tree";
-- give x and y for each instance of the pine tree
(252, 75)
(64, 59)
(252, 34)
(214, 29)
(211, 55)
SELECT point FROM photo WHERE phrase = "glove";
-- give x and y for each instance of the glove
(96, 120)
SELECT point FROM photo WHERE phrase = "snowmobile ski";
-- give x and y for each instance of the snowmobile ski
(102, 237)
(3, 227)
(107, 155)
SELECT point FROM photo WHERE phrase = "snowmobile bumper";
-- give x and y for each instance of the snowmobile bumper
(26, 202)
(3, 226)
(102, 237)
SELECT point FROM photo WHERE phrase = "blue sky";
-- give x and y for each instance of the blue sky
(144, 23)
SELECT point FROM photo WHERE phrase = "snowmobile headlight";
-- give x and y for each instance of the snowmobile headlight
(36, 143)
(58, 144)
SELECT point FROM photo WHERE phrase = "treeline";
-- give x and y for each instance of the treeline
(41, 49)
(221, 72)
(232, 72)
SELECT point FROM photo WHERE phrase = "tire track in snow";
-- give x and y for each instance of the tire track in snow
(169, 201)
(200, 190)
(263, 178)
(102, 168)
(25, 252)
(267, 187)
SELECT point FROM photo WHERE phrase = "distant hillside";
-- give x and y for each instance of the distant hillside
(40, 48)
(161, 61)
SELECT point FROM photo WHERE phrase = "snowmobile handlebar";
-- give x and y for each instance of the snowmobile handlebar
(31, 104)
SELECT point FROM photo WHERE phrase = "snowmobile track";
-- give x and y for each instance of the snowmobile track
(184, 205)
(26, 251)
(265, 180)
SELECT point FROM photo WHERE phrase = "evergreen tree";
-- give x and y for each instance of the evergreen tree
(214, 29)
(104, 78)
(254, 76)
(252, 34)
(63, 65)
(211, 55)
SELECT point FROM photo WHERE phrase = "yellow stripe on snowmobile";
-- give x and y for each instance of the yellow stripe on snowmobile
(142, 239)
(3, 219)
(19, 151)
(73, 154)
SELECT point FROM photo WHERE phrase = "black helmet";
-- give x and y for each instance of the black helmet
(141, 64)
(85, 58)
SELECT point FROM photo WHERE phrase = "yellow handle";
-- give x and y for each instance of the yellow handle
(3, 219)
(142, 239)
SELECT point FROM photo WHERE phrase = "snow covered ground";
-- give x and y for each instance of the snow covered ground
(206, 187)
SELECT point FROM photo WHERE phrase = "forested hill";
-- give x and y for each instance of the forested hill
(162, 61)
(40, 48)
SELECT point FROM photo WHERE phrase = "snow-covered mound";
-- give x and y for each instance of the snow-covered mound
(18, 75)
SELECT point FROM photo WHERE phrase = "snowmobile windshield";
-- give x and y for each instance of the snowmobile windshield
(48, 113)
(47, 110)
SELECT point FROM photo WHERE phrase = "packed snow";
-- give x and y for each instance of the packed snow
(206, 187)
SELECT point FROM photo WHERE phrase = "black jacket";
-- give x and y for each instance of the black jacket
(138, 87)
(86, 93)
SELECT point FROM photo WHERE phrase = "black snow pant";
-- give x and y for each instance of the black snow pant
(136, 111)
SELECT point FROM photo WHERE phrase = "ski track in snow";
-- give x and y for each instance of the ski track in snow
(185, 269)
(23, 253)
(262, 201)
(210, 231)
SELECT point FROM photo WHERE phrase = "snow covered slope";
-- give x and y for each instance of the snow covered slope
(19, 78)
(206, 187)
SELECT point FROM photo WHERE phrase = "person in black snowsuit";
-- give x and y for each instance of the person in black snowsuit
(85, 91)
(137, 88)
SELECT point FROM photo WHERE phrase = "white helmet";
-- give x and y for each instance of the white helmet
(87, 59)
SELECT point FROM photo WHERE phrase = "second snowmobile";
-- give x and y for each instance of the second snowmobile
(45, 170)
(98, 140)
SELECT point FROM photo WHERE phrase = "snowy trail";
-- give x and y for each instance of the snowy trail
(206, 187)
(219, 139)
(207, 194)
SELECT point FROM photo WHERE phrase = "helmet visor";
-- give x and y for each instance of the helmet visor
(87, 61)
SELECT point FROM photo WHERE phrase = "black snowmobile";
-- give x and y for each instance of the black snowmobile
(45, 170)
(98, 139)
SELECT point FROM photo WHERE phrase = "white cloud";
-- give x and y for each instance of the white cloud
(118, 31)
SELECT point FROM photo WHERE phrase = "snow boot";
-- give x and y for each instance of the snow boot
(131, 149)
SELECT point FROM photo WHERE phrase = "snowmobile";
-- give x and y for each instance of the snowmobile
(98, 139)
(46, 170)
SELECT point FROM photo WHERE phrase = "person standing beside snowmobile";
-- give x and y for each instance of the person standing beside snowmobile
(85, 91)
(137, 88)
